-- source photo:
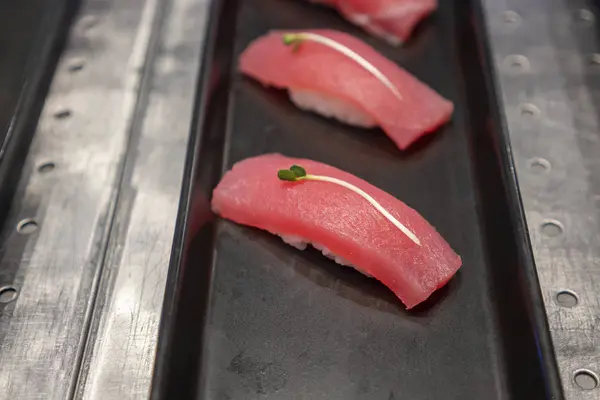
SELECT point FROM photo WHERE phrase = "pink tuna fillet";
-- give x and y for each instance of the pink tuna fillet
(322, 79)
(392, 20)
(339, 222)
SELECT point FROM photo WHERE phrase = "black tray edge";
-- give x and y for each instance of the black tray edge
(516, 211)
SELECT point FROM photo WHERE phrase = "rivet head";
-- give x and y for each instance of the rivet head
(516, 63)
(586, 15)
(62, 113)
(27, 226)
(46, 167)
(586, 379)
(552, 228)
(511, 18)
(540, 165)
(567, 298)
(7, 294)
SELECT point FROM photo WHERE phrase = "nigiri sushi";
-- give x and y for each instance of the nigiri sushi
(392, 20)
(336, 75)
(349, 220)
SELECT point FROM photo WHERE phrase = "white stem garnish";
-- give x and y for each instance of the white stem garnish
(297, 173)
(297, 38)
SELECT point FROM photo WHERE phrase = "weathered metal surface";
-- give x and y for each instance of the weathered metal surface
(549, 75)
(83, 132)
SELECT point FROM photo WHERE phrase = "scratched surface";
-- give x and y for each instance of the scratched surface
(122, 344)
(91, 119)
(83, 131)
(551, 101)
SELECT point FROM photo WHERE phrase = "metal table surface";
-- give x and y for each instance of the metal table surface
(89, 239)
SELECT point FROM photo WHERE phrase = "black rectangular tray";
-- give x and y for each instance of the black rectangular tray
(248, 317)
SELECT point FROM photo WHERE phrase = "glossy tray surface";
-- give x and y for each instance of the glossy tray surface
(246, 316)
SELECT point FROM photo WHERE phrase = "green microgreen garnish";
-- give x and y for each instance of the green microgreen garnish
(296, 173)
(286, 175)
(295, 39)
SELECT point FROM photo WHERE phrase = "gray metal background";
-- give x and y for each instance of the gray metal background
(549, 76)
(90, 279)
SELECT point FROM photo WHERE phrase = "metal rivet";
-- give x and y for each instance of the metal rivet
(516, 63)
(552, 228)
(539, 165)
(595, 59)
(7, 294)
(46, 167)
(88, 22)
(62, 114)
(529, 110)
(27, 226)
(76, 65)
(567, 298)
(586, 15)
(586, 379)
(511, 17)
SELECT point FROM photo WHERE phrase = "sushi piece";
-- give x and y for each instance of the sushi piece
(339, 76)
(349, 220)
(391, 20)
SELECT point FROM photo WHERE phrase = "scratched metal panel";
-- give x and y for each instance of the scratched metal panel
(549, 75)
(68, 189)
(122, 343)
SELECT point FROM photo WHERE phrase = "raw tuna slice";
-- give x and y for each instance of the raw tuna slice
(392, 20)
(327, 80)
(339, 222)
